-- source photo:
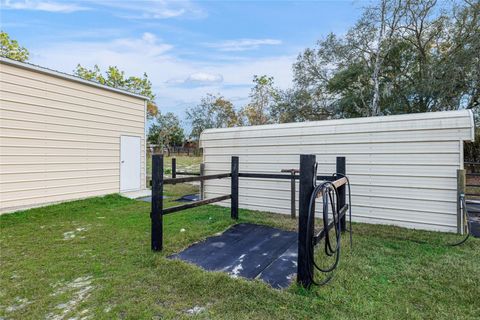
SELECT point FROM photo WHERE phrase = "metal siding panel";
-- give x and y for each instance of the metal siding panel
(404, 118)
(402, 168)
(345, 139)
(68, 145)
(68, 104)
(59, 111)
(371, 158)
(334, 149)
(47, 83)
(9, 65)
(389, 127)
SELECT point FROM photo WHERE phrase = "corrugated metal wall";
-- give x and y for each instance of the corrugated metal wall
(402, 168)
(60, 139)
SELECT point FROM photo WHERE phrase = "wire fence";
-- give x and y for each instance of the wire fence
(472, 179)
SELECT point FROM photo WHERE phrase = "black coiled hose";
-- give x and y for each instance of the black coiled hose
(332, 245)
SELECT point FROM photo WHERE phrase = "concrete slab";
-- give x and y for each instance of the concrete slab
(137, 194)
(148, 199)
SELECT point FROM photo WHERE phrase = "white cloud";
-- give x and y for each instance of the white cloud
(168, 13)
(205, 77)
(38, 5)
(242, 44)
(198, 78)
(147, 53)
(160, 9)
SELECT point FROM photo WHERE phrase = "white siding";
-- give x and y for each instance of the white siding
(402, 168)
(60, 137)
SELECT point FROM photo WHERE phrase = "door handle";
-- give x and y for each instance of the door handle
(122, 161)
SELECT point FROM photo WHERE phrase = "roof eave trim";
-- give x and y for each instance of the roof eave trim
(66, 76)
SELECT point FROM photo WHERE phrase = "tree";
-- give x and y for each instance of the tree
(10, 48)
(166, 131)
(116, 78)
(214, 111)
(296, 106)
(472, 149)
(262, 96)
(390, 14)
(313, 71)
(401, 56)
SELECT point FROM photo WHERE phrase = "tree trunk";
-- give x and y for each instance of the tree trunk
(374, 109)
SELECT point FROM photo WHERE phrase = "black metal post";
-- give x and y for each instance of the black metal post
(342, 191)
(202, 183)
(156, 214)
(174, 168)
(461, 186)
(292, 196)
(307, 176)
(234, 189)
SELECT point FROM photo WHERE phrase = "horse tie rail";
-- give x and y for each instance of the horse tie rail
(158, 182)
(332, 188)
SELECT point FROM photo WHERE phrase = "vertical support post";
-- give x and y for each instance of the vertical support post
(292, 195)
(174, 168)
(156, 215)
(234, 189)
(342, 191)
(460, 191)
(305, 231)
(202, 182)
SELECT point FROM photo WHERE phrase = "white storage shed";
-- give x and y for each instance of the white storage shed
(64, 138)
(403, 168)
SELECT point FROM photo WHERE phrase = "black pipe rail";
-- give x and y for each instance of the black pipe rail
(293, 192)
(280, 176)
(307, 177)
(158, 182)
(185, 173)
(195, 204)
(199, 178)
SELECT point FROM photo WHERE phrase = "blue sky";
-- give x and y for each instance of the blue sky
(187, 48)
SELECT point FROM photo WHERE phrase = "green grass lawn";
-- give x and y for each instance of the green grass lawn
(184, 163)
(91, 259)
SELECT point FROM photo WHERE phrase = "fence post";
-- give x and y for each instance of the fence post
(202, 182)
(156, 214)
(234, 189)
(460, 190)
(174, 168)
(305, 232)
(342, 191)
(292, 196)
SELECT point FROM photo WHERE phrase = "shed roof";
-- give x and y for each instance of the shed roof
(58, 74)
(351, 121)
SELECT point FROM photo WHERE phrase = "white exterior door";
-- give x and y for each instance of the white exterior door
(130, 163)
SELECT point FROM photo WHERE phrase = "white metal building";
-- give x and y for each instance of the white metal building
(403, 168)
(64, 138)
